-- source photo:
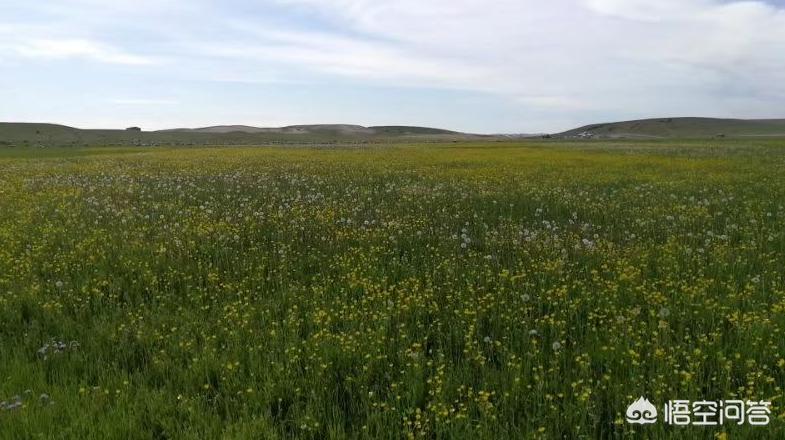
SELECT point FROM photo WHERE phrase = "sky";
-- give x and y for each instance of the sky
(482, 66)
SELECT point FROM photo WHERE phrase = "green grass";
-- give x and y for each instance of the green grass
(687, 128)
(471, 291)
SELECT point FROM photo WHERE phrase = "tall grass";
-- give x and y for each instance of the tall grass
(472, 291)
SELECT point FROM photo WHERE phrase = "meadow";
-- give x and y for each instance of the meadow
(463, 291)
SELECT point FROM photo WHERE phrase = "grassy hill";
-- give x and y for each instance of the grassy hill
(404, 130)
(34, 134)
(682, 128)
(50, 135)
(329, 129)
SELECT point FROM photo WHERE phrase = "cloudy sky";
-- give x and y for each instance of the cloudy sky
(484, 66)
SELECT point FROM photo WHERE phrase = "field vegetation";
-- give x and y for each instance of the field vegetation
(470, 290)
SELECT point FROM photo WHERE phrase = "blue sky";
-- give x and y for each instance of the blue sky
(472, 65)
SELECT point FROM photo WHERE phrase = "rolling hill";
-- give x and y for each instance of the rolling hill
(35, 134)
(337, 129)
(681, 128)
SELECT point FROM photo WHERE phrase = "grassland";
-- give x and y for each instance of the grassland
(698, 128)
(470, 291)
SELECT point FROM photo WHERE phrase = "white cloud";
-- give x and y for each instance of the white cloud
(340, 55)
(53, 42)
(633, 55)
(557, 60)
(647, 10)
(78, 48)
(144, 101)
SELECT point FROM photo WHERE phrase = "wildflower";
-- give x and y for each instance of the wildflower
(16, 403)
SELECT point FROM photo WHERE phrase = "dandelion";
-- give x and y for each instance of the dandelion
(14, 404)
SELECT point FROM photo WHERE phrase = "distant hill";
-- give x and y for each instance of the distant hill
(14, 131)
(221, 129)
(339, 129)
(681, 128)
(33, 134)
(404, 130)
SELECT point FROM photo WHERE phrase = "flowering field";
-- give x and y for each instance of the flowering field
(471, 291)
